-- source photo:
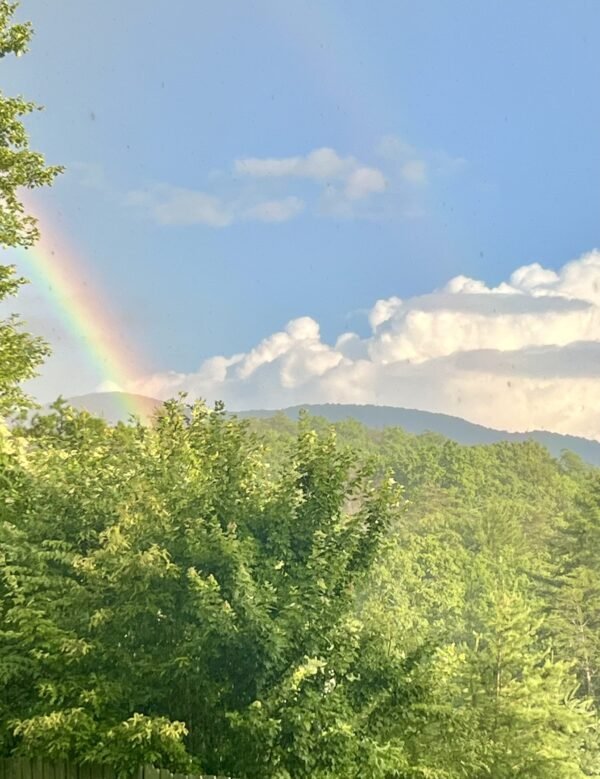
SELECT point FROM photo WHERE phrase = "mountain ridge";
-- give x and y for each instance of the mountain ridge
(111, 406)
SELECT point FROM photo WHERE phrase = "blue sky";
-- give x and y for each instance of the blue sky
(476, 123)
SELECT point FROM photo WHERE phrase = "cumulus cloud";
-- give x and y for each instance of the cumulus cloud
(322, 165)
(519, 356)
(344, 183)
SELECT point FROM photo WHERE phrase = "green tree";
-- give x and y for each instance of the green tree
(456, 596)
(482, 611)
(169, 573)
(574, 594)
(20, 167)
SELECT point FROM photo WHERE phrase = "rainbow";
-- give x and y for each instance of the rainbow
(60, 273)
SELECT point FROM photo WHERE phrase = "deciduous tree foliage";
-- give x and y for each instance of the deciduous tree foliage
(168, 573)
(20, 167)
(190, 595)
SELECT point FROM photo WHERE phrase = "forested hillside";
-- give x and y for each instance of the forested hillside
(116, 407)
(262, 599)
(416, 421)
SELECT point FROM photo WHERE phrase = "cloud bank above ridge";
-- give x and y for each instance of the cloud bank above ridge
(519, 356)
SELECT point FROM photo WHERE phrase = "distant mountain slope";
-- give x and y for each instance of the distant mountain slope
(112, 407)
(457, 429)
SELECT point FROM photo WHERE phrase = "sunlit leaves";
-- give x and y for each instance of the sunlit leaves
(20, 168)
(169, 572)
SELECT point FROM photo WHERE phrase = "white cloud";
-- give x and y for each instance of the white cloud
(383, 310)
(415, 171)
(522, 355)
(579, 279)
(275, 210)
(183, 207)
(179, 206)
(414, 166)
(409, 164)
(188, 208)
(364, 182)
(277, 189)
(343, 178)
(319, 165)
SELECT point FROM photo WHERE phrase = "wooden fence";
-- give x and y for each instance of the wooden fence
(35, 768)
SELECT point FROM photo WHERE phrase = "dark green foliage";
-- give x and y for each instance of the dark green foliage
(254, 601)
(169, 573)
(486, 596)
(20, 353)
(20, 167)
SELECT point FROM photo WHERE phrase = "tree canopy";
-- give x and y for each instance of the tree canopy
(20, 168)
